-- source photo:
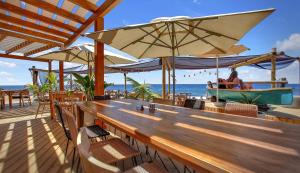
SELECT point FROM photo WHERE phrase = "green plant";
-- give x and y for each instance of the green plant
(249, 100)
(142, 91)
(87, 84)
(52, 82)
(34, 89)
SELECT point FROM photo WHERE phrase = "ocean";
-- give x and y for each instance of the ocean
(194, 89)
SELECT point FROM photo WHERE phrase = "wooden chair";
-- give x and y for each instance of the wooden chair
(92, 164)
(2, 100)
(17, 95)
(43, 101)
(241, 109)
(109, 151)
(162, 101)
(25, 95)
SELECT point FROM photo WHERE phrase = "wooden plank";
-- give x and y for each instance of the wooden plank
(21, 22)
(18, 47)
(54, 9)
(2, 37)
(100, 12)
(22, 58)
(39, 50)
(85, 4)
(200, 139)
(35, 16)
(31, 32)
(99, 60)
(29, 38)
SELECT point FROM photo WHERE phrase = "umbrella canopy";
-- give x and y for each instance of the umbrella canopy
(234, 50)
(192, 36)
(84, 54)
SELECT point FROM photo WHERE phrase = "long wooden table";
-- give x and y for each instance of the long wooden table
(205, 140)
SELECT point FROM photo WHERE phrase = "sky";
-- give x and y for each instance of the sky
(281, 30)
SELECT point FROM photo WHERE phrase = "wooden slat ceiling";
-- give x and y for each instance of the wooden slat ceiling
(31, 26)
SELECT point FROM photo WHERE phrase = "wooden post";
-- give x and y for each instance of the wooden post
(61, 76)
(273, 71)
(169, 80)
(50, 92)
(163, 78)
(125, 84)
(34, 76)
(99, 60)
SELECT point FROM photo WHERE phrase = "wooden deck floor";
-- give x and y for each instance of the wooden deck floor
(31, 145)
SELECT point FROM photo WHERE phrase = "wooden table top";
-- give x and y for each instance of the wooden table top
(214, 141)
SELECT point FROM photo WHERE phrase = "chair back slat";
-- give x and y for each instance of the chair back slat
(61, 117)
(91, 164)
(71, 124)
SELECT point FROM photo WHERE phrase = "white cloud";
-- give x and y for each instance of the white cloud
(7, 64)
(196, 1)
(7, 78)
(291, 43)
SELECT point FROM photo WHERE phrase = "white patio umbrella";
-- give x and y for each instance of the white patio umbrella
(84, 54)
(178, 36)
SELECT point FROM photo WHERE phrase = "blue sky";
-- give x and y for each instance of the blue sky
(281, 30)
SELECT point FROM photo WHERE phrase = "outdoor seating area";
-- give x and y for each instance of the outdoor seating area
(152, 97)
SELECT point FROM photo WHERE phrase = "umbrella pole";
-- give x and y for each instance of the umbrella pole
(173, 64)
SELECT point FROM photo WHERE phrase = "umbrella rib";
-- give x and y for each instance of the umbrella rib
(191, 41)
(139, 38)
(155, 40)
(156, 44)
(76, 56)
(186, 35)
(149, 33)
(208, 31)
(195, 35)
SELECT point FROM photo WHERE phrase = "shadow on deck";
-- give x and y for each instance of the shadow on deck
(31, 145)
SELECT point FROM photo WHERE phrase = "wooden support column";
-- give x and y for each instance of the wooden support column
(50, 92)
(61, 76)
(163, 77)
(169, 81)
(273, 71)
(99, 60)
(34, 76)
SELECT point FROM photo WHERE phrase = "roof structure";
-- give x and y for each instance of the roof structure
(28, 27)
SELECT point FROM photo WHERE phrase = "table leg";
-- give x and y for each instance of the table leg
(80, 117)
(10, 100)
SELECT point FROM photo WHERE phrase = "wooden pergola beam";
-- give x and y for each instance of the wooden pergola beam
(253, 61)
(22, 58)
(2, 37)
(31, 32)
(28, 24)
(85, 4)
(29, 38)
(54, 9)
(100, 12)
(35, 16)
(18, 47)
(41, 49)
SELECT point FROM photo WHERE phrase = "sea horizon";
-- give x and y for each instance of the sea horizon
(193, 89)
